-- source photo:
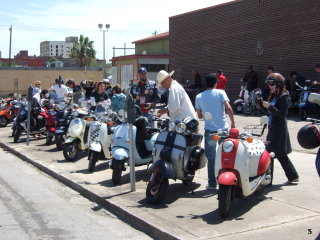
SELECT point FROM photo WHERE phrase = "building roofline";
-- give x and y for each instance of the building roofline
(152, 38)
(207, 8)
(140, 56)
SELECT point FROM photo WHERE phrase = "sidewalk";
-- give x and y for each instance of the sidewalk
(284, 211)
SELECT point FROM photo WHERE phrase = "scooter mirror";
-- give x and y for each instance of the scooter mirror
(207, 116)
(314, 98)
(296, 84)
(264, 120)
(93, 101)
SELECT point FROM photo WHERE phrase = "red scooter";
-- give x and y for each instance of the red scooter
(242, 165)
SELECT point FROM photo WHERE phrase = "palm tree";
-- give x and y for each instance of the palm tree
(83, 51)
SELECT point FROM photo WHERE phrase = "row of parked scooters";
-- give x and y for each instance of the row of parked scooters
(170, 149)
(248, 105)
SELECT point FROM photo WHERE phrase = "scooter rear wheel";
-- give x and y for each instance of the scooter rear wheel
(225, 199)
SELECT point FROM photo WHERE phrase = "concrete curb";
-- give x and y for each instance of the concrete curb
(124, 215)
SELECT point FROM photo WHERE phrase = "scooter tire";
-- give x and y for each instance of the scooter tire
(17, 134)
(116, 171)
(59, 139)
(93, 159)
(225, 199)
(49, 138)
(238, 109)
(70, 151)
(157, 190)
(3, 121)
(303, 114)
(247, 110)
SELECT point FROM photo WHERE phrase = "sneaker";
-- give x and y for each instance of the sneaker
(294, 180)
(211, 187)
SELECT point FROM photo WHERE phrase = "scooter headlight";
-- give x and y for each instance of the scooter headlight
(227, 146)
(172, 126)
(305, 88)
(61, 106)
(75, 113)
(181, 128)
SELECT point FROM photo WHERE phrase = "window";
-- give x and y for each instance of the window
(154, 67)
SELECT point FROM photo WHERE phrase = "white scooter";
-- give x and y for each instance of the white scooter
(242, 165)
(77, 134)
(243, 99)
(99, 137)
(144, 139)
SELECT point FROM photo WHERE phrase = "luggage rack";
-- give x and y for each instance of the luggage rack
(258, 131)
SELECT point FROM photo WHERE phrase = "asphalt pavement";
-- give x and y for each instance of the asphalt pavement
(285, 211)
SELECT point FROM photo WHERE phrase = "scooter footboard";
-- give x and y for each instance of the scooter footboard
(164, 168)
(228, 177)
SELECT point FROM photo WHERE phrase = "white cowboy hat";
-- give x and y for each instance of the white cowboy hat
(162, 75)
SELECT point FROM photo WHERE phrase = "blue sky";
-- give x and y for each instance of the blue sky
(34, 21)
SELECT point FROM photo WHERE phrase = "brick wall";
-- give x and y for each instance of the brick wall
(281, 33)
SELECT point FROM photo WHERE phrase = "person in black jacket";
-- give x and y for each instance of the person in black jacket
(278, 135)
(251, 79)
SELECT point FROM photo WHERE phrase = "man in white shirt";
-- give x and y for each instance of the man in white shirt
(60, 89)
(179, 104)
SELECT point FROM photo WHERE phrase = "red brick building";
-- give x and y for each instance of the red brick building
(231, 36)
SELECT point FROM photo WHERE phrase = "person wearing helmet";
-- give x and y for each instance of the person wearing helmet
(278, 134)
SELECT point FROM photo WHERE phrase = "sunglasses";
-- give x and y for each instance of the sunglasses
(271, 84)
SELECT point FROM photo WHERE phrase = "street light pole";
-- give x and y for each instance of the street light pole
(10, 29)
(104, 42)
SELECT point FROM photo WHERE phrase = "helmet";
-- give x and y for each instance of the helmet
(309, 136)
(191, 124)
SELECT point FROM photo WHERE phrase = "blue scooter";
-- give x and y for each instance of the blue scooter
(305, 107)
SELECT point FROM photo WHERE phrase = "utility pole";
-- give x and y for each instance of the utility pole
(10, 29)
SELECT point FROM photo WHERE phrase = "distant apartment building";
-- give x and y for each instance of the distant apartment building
(57, 48)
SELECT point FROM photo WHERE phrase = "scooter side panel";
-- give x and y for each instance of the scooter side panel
(177, 152)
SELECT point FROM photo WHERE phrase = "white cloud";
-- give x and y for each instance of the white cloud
(55, 20)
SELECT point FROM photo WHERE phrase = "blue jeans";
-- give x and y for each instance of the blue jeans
(210, 151)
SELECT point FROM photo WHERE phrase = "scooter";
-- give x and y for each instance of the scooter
(252, 106)
(63, 118)
(309, 135)
(144, 138)
(8, 112)
(177, 154)
(242, 100)
(305, 107)
(77, 134)
(242, 165)
(37, 122)
(50, 124)
(99, 137)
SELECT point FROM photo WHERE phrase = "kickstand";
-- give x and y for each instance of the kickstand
(190, 184)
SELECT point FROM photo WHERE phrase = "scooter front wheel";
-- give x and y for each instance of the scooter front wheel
(17, 133)
(116, 171)
(49, 138)
(60, 139)
(157, 189)
(70, 151)
(93, 159)
(3, 121)
(225, 199)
